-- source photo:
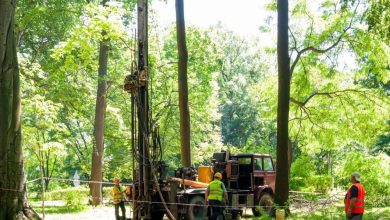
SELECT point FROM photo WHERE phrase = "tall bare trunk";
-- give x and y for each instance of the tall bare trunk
(185, 129)
(282, 172)
(100, 111)
(13, 200)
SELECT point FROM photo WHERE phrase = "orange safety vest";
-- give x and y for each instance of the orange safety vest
(359, 204)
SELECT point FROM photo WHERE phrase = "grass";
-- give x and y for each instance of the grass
(298, 213)
(57, 207)
(61, 209)
(331, 214)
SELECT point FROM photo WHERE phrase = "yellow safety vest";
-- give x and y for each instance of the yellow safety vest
(117, 194)
(216, 190)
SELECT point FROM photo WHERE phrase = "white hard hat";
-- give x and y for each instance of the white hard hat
(356, 175)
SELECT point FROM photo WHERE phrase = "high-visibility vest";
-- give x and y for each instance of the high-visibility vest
(216, 190)
(117, 194)
(359, 204)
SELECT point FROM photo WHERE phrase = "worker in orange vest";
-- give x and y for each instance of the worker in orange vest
(354, 199)
(118, 196)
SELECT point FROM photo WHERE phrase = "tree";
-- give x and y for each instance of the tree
(13, 200)
(185, 128)
(100, 111)
(378, 18)
(42, 132)
(242, 68)
(282, 168)
(201, 72)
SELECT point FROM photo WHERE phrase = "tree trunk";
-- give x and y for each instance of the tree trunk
(13, 200)
(282, 171)
(185, 129)
(98, 149)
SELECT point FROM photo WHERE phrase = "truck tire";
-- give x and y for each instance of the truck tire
(197, 209)
(264, 206)
(236, 216)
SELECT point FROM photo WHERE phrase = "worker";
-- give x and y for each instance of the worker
(129, 193)
(118, 199)
(354, 199)
(216, 196)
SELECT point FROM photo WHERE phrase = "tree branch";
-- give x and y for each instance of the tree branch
(329, 94)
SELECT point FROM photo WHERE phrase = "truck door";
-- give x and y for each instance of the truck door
(258, 174)
(269, 172)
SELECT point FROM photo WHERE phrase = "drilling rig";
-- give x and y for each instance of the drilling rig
(249, 178)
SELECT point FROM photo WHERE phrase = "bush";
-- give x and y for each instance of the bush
(74, 200)
(63, 194)
(303, 166)
(297, 183)
(321, 183)
(107, 192)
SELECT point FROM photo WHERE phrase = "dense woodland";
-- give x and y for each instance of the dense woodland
(339, 106)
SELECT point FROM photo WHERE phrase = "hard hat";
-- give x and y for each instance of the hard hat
(356, 175)
(218, 175)
(115, 179)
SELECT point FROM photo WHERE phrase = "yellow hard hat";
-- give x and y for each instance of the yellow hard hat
(115, 179)
(218, 175)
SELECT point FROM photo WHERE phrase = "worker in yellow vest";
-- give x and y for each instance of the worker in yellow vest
(118, 199)
(216, 196)
(354, 199)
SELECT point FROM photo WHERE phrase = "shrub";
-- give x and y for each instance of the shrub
(321, 183)
(74, 200)
(303, 166)
(107, 192)
(375, 176)
(297, 183)
(63, 194)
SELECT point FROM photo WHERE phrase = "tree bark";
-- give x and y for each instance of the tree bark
(282, 171)
(13, 199)
(185, 129)
(100, 111)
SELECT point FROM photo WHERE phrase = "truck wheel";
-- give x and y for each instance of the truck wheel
(265, 205)
(236, 216)
(197, 209)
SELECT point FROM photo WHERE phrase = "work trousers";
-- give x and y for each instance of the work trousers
(122, 206)
(355, 217)
(216, 209)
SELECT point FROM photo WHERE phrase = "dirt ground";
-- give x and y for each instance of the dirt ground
(102, 213)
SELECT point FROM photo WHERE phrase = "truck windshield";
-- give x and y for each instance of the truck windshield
(257, 163)
(268, 166)
(244, 160)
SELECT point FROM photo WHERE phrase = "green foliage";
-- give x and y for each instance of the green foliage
(74, 200)
(320, 183)
(339, 82)
(374, 172)
(339, 98)
(304, 176)
(68, 194)
(201, 84)
(378, 18)
(303, 167)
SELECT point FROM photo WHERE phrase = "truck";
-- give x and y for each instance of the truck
(249, 179)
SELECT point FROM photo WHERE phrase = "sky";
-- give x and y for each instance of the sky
(243, 17)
